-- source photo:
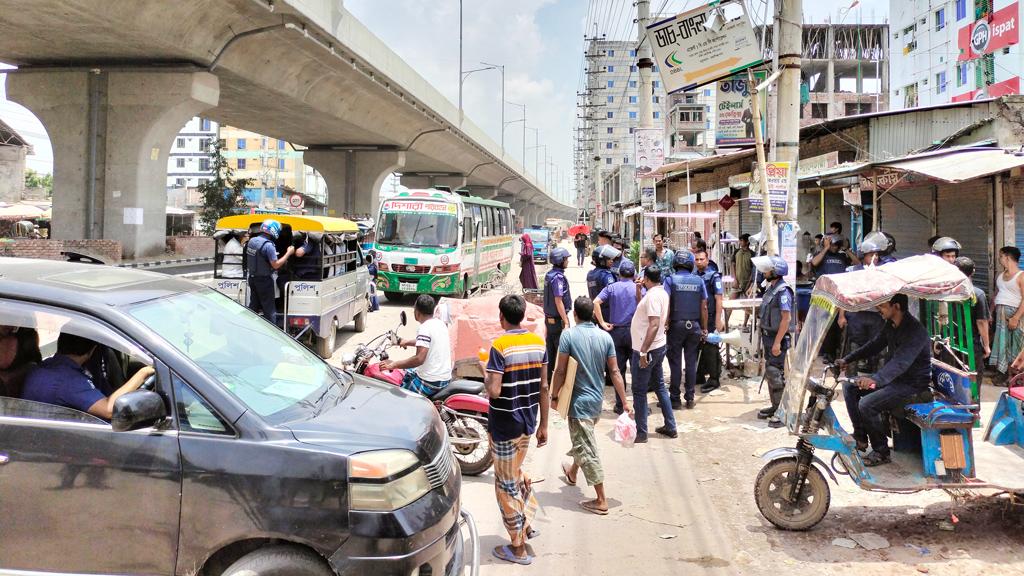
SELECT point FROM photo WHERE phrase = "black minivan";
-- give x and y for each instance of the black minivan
(244, 454)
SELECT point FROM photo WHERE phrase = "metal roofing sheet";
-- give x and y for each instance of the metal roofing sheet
(958, 166)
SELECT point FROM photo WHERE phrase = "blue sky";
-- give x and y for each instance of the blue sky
(540, 42)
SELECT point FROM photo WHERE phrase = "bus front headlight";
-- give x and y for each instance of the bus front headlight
(385, 480)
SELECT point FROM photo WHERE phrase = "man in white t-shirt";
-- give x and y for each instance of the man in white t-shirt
(431, 368)
(649, 344)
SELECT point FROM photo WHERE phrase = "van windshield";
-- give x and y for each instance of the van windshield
(269, 372)
(418, 229)
(538, 236)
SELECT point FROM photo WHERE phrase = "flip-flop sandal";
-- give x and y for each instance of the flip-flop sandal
(589, 506)
(505, 553)
(567, 479)
(532, 533)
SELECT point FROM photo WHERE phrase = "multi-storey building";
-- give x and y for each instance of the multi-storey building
(188, 164)
(271, 164)
(953, 51)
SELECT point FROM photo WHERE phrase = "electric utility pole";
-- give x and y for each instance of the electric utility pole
(645, 66)
(788, 47)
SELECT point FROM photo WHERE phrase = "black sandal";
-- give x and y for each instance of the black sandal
(877, 459)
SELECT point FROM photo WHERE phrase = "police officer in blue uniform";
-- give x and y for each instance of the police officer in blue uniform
(832, 259)
(619, 299)
(261, 261)
(601, 275)
(557, 302)
(687, 325)
(306, 265)
(619, 244)
(776, 319)
(877, 248)
(710, 365)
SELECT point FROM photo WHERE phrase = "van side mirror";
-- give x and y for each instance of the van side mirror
(137, 409)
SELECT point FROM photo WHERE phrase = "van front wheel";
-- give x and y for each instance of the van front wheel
(279, 561)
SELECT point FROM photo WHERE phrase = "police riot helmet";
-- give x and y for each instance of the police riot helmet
(608, 252)
(683, 260)
(946, 244)
(271, 228)
(559, 256)
(770, 266)
(878, 242)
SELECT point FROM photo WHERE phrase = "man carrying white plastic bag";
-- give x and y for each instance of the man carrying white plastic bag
(594, 352)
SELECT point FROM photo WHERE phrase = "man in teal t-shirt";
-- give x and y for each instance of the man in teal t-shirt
(594, 353)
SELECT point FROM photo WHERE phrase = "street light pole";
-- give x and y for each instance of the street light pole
(502, 68)
(460, 63)
(523, 106)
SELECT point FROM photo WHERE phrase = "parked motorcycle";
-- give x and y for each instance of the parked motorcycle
(462, 407)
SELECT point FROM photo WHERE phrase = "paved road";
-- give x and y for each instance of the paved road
(685, 506)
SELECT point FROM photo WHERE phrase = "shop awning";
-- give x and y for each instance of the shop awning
(959, 165)
(704, 162)
(632, 211)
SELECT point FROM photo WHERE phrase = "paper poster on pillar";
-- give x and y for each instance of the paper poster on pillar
(133, 216)
(788, 231)
(778, 188)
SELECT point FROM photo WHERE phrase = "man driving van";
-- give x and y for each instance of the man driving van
(62, 379)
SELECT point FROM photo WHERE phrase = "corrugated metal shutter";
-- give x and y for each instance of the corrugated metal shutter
(965, 213)
(910, 229)
(731, 220)
(750, 222)
(1014, 189)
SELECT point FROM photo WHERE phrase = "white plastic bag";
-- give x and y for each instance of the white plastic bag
(625, 430)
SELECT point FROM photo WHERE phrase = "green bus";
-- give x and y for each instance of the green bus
(441, 243)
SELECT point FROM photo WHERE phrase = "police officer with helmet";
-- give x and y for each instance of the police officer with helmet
(687, 322)
(946, 248)
(261, 261)
(776, 317)
(557, 302)
(877, 249)
(710, 365)
(601, 275)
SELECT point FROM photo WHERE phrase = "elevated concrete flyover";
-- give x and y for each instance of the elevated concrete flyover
(112, 82)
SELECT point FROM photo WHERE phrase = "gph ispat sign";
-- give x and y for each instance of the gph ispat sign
(997, 30)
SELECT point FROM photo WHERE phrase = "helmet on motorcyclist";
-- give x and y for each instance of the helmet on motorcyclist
(946, 244)
(683, 260)
(771, 266)
(559, 257)
(878, 242)
(271, 228)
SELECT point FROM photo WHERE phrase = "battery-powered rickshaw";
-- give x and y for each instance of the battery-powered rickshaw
(316, 298)
(935, 445)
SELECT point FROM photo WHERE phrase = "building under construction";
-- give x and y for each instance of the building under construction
(844, 69)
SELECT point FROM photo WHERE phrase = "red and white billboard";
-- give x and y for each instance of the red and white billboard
(1011, 86)
(993, 32)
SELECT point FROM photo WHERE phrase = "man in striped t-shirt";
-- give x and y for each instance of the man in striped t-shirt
(517, 384)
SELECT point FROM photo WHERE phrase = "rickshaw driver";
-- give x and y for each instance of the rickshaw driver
(775, 316)
(906, 374)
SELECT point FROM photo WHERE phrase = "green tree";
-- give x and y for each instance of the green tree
(34, 179)
(222, 195)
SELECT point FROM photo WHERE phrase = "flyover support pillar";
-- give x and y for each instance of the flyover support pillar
(111, 133)
(354, 177)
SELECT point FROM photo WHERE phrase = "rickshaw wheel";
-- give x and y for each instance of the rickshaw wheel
(769, 490)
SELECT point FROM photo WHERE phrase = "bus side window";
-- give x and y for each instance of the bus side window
(467, 230)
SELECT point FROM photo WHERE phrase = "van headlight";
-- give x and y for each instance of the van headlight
(385, 480)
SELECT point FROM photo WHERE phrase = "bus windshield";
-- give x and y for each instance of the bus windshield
(418, 229)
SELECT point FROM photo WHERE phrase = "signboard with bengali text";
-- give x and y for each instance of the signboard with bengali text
(420, 206)
(734, 121)
(689, 55)
(778, 174)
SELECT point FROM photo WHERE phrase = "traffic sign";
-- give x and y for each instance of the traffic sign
(726, 202)
(295, 201)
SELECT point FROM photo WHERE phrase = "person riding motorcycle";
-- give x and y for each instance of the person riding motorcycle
(776, 319)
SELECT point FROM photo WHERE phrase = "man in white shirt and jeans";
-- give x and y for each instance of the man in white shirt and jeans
(430, 369)
(649, 343)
